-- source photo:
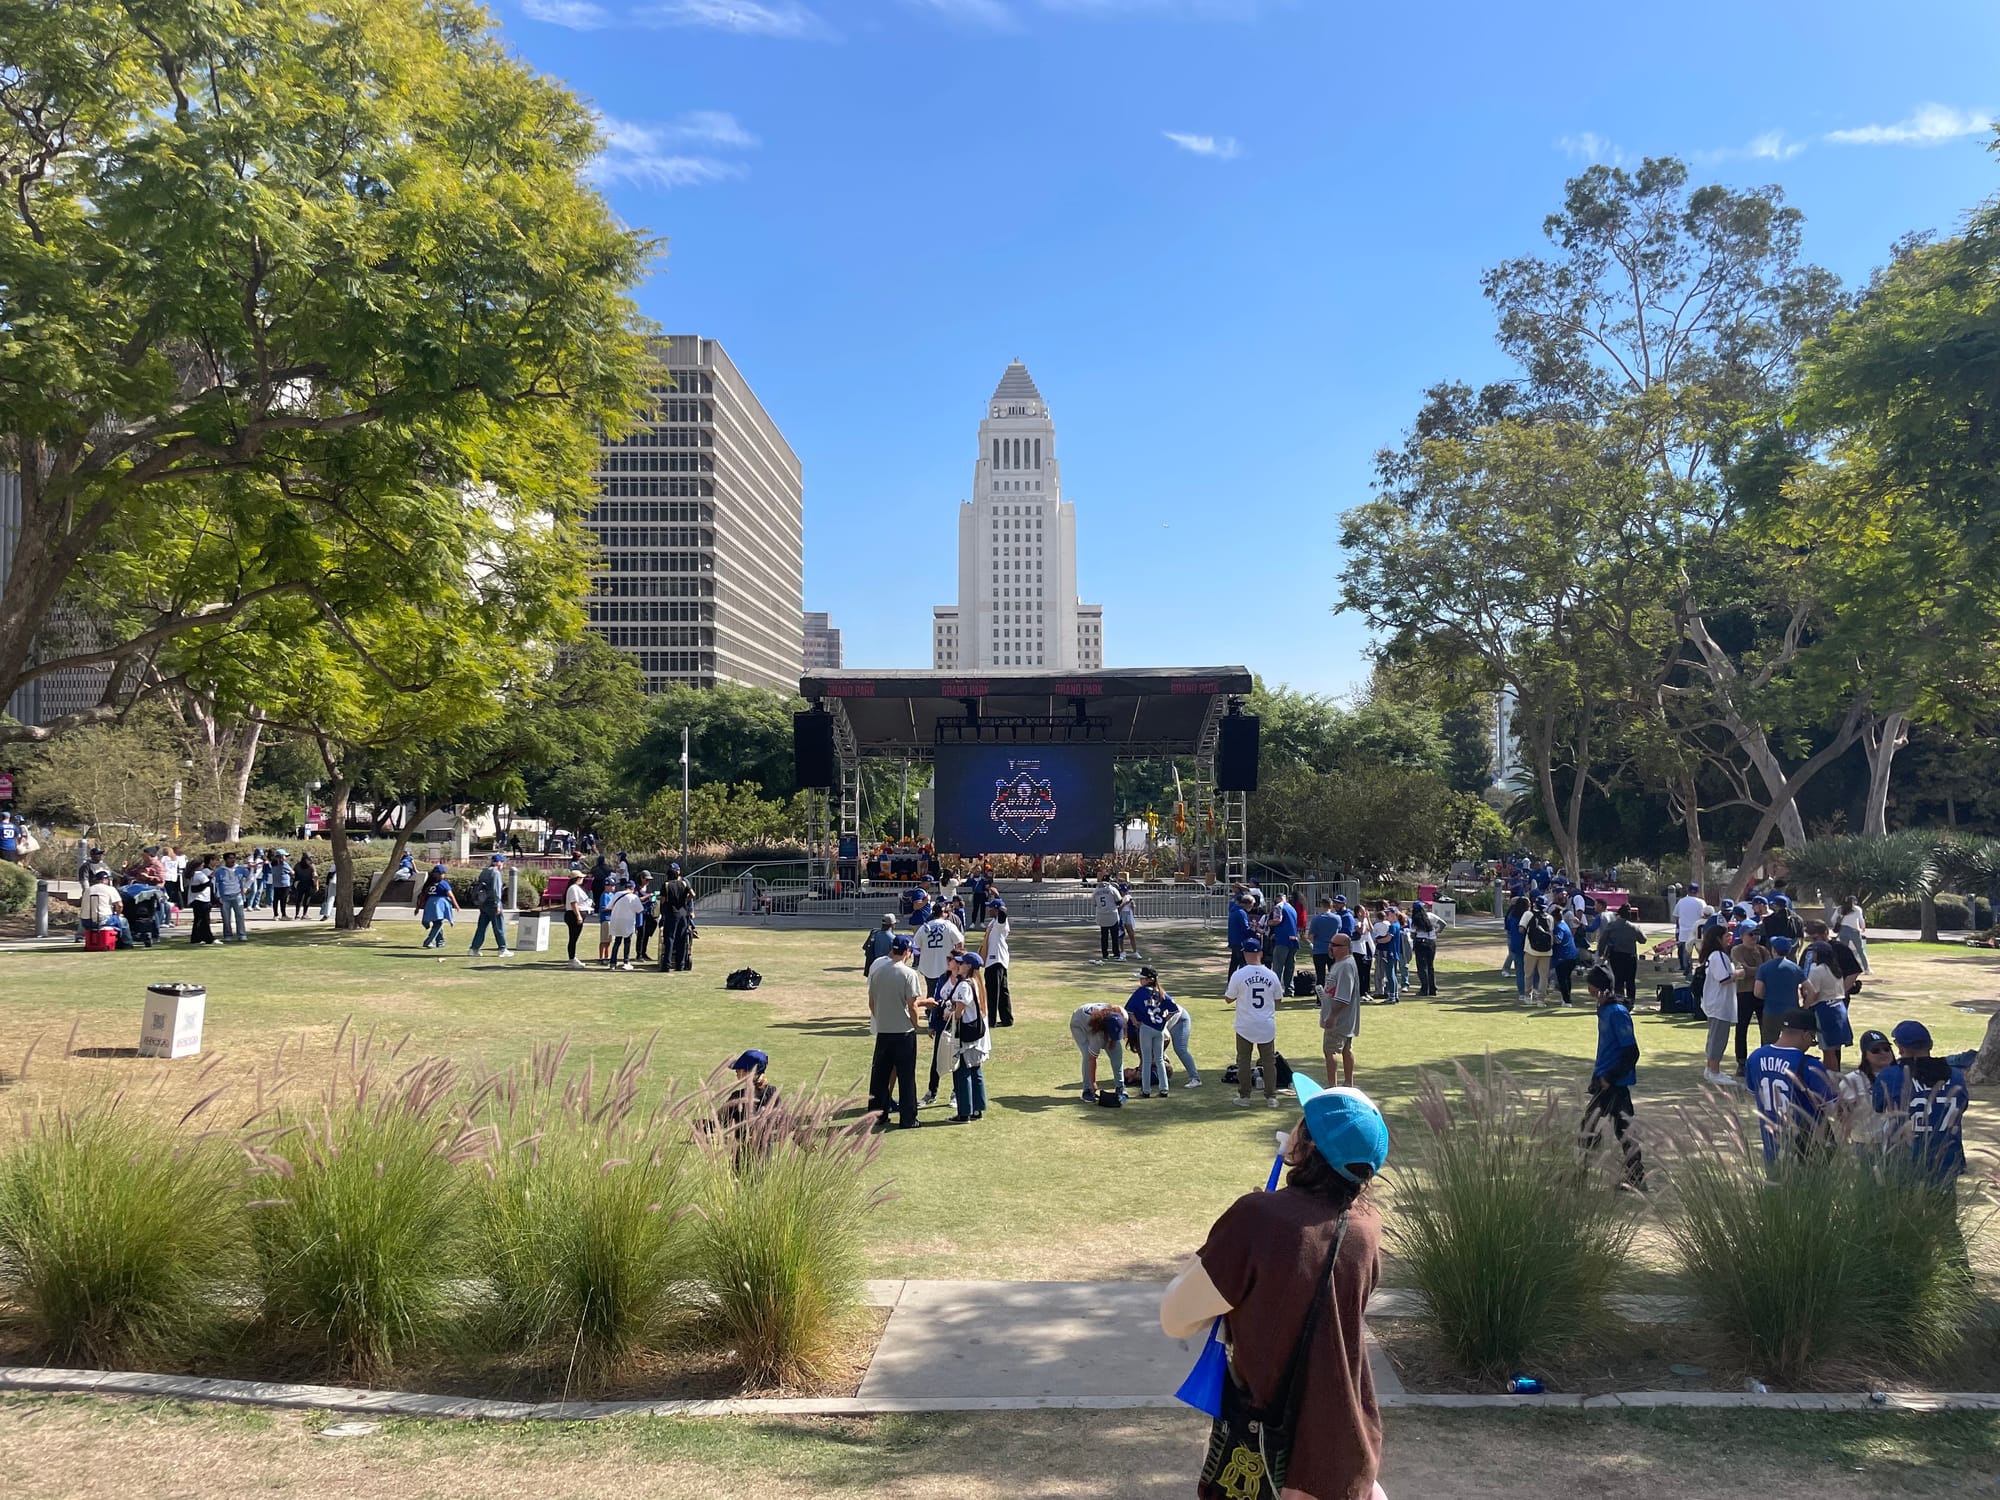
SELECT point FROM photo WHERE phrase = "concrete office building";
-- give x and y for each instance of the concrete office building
(1017, 604)
(701, 525)
(66, 632)
(822, 642)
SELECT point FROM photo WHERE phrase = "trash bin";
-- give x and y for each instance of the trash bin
(531, 932)
(174, 1013)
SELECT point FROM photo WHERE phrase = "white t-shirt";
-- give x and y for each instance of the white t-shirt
(1256, 991)
(625, 910)
(935, 941)
(577, 898)
(1853, 921)
(1718, 992)
(996, 943)
(962, 1003)
(1689, 913)
(99, 902)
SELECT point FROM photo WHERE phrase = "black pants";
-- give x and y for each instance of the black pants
(1748, 1008)
(1427, 958)
(1235, 959)
(999, 1001)
(1565, 971)
(648, 925)
(1624, 975)
(203, 932)
(895, 1063)
(1362, 964)
(1110, 940)
(1321, 963)
(674, 946)
(575, 921)
(1614, 1103)
(978, 912)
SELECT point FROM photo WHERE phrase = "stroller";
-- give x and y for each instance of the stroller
(142, 915)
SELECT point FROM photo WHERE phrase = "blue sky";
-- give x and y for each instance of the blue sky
(1233, 239)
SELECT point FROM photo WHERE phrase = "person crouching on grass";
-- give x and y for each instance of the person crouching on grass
(1263, 1268)
(1340, 1008)
(1099, 1030)
(1614, 1074)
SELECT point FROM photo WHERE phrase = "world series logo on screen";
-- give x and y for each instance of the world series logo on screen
(1023, 805)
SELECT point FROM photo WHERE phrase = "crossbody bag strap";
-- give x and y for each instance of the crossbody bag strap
(1295, 1371)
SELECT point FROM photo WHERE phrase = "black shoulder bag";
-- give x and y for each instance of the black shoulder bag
(1250, 1446)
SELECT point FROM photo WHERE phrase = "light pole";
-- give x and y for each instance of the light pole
(684, 798)
(186, 765)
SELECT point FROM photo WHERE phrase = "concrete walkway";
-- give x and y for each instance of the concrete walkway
(1039, 1339)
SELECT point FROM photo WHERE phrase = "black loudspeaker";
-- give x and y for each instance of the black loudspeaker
(812, 748)
(1236, 754)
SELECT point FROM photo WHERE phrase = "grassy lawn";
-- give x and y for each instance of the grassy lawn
(81, 1447)
(1044, 1187)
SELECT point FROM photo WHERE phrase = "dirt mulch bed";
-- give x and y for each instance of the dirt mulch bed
(1666, 1357)
(696, 1372)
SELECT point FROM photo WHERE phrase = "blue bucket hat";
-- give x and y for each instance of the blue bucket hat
(1346, 1126)
(752, 1061)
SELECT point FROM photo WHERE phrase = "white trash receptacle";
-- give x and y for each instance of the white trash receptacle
(174, 1013)
(531, 932)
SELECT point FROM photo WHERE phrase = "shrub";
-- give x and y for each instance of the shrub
(781, 1249)
(1953, 914)
(585, 1230)
(1825, 1257)
(17, 888)
(114, 1234)
(359, 1226)
(1512, 1240)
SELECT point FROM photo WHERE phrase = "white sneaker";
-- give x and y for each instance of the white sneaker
(506, 953)
(1722, 1080)
(1240, 1100)
(576, 963)
(1272, 1102)
(626, 967)
(1192, 1083)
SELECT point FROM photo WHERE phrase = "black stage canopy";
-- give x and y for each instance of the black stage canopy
(1144, 712)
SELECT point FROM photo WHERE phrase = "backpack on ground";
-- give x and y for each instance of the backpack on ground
(1677, 1000)
(743, 979)
(1304, 986)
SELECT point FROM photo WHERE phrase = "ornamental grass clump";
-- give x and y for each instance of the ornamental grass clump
(1512, 1238)
(360, 1211)
(119, 1235)
(784, 1207)
(586, 1227)
(1822, 1259)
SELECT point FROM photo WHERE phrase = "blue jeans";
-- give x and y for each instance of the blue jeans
(1516, 955)
(1152, 1060)
(489, 920)
(1391, 981)
(434, 932)
(1177, 1033)
(968, 1089)
(621, 949)
(232, 916)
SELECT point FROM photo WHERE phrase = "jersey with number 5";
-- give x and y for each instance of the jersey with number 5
(1256, 991)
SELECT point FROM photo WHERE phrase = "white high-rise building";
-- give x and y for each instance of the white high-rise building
(1017, 604)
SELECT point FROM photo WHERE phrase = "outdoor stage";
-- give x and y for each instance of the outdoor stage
(1154, 713)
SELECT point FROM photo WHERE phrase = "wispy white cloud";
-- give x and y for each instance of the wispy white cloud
(1930, 125)
(1220, 147)
(992, 15)
(578, 15)
(1589, 146)
(678, 154)
(786, 19)
(1772, 145)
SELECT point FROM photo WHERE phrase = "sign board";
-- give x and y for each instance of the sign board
(6, 786)
(316, 818)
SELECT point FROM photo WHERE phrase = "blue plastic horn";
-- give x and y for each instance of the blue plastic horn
(1203, 1387)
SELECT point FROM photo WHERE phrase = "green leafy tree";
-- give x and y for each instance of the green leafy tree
(258, 263)
(736, 734)
(718, 814)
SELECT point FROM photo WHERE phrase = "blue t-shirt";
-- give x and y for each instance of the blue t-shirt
(1346, 917)
(1936, 1114)
(1614, 1035)
(1151, 1008)
(1790, 1090)
(1781, 979)
(1239, 924)
(1320, 929)
(1285, 925)
(1565, 944)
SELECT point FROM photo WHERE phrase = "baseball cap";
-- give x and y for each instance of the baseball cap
(674, 868)
(1345, 1125)
(1781, 944)
(1114, 1028)
(1149, 972)
(1870, 1040)
(435, 869)
(1910, 1034)
(1253, 945)
(751, 1061)
(1341, 897)
(899, 944)
(1798, 1020)
(1760, 900)
(1781, 900)
(498, 857)
(888, 919)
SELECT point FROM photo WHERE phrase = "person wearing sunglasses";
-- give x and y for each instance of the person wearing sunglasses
(1869, 1130)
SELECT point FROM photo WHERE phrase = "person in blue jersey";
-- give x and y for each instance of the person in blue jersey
(1778, 983)
(1151, 1012)
(1790, 1088)
(1241, 928)
(1321, 930)
(1343, 911)
(1614, 1073)
(1565, 957)
(1931, 1094)
(1281, 947)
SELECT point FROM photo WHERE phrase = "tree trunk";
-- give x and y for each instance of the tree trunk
(1882, 738)
(343, 854)
(1985, 1068)
(1927, 916)
(1688, 794)
(239, 791)
(379, 886)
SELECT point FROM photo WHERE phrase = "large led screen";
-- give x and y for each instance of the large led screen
(1023, 799)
